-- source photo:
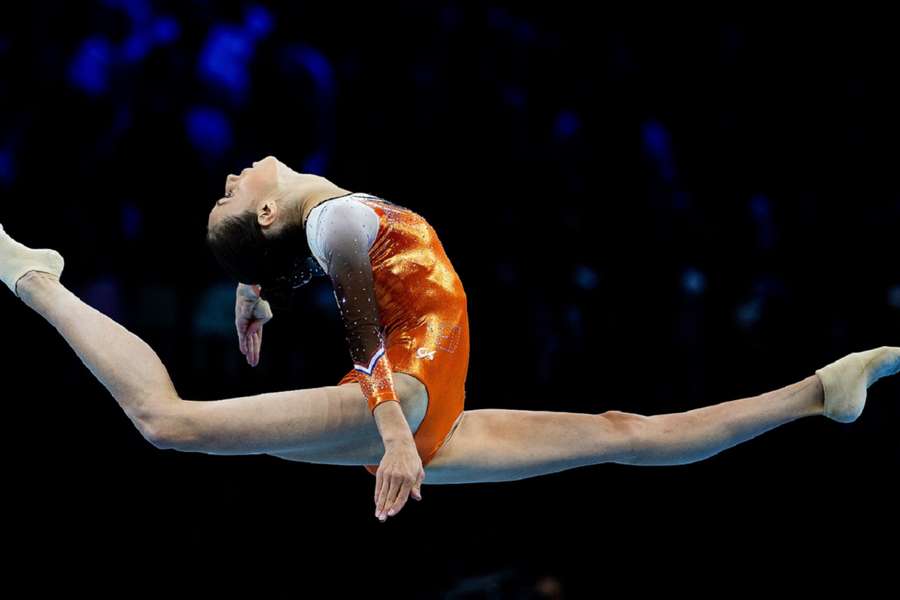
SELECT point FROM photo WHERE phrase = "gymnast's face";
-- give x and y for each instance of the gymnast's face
(256, 189)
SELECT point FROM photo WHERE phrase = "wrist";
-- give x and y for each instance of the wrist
(399, 441)
(392, 425)
(250, 292)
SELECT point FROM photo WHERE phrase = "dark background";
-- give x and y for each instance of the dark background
(648, 214)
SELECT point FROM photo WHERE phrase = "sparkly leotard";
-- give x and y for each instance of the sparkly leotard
(402, 303)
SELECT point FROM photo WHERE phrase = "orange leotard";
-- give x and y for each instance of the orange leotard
(422, 325)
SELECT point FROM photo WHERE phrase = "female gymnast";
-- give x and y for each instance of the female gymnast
(399, 410)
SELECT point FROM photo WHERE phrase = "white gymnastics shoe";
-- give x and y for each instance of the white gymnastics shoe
(17, 259)
(845, 380)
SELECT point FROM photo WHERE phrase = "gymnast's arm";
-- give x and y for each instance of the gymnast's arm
(342, 239)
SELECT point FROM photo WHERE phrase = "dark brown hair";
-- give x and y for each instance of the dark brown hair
(249, 256)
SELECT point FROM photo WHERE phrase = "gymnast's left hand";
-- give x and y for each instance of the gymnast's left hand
(399, 474)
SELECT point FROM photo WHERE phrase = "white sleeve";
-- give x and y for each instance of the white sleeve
(327, 222)
(340, 238)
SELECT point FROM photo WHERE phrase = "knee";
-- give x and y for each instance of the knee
(171, 428)
(622, 434)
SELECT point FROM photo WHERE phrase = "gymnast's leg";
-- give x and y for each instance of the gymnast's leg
(505, 445)
(325, 424)
(312, 424)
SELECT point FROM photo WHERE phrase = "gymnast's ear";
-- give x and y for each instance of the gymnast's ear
(268, 214)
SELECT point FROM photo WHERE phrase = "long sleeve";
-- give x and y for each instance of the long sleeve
(340, 233)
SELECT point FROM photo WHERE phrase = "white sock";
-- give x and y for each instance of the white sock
(17, 259)
(845, 380)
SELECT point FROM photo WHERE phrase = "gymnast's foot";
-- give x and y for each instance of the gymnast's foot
(846, 379)
(17, 259)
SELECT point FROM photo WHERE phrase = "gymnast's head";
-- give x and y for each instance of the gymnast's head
(255, 229)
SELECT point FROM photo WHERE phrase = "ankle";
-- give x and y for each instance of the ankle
(34, 282)
(818, 408)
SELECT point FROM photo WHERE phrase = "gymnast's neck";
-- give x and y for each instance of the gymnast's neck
(308, 191)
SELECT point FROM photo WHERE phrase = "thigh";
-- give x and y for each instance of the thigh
(311, 424)
(506, 445)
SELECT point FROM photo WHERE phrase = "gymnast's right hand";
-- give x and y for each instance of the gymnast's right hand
(250, 314)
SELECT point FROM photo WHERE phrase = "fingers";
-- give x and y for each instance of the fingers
(416, 491)
(389, 489)
(251, 342)
(253, 358)
(417, 488)
(242, 337)
(379, 493)
(392, 492)
(400, 500)
(379, 480)
(251, 313)
(244, 328)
